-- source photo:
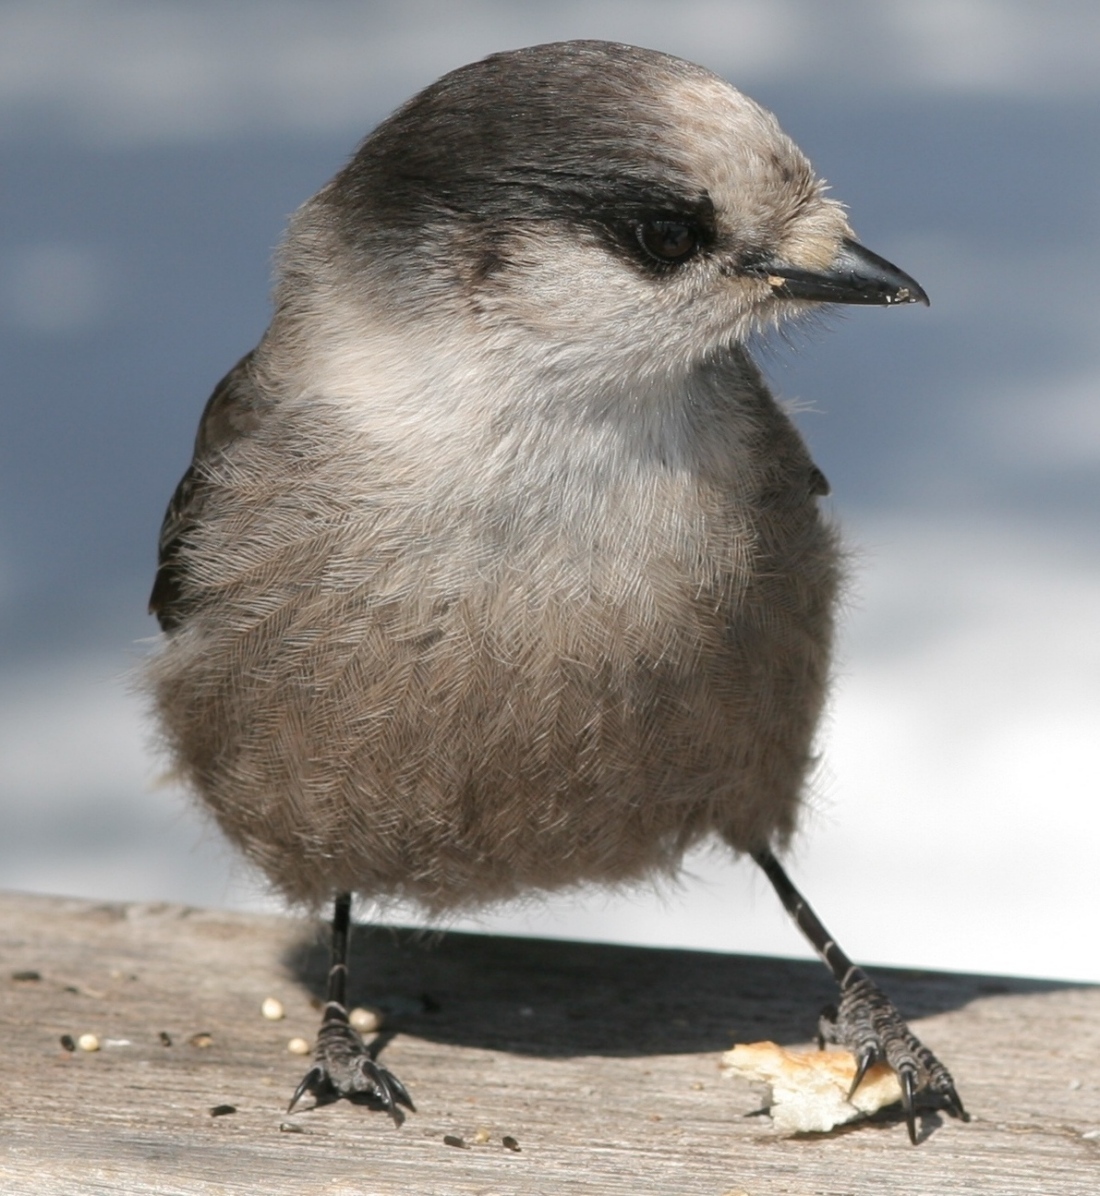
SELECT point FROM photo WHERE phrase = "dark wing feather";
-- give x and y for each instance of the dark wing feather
(233, 410)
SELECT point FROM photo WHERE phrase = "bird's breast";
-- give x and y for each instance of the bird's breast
(441, 685)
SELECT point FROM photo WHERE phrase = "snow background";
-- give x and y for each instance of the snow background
(152, 152)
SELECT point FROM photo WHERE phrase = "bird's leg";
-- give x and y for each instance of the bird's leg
(343, 1064)
(865, 1021)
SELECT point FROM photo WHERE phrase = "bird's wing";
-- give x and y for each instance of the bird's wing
(233, 410)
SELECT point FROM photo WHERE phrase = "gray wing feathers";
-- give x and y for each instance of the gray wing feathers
(232, 411)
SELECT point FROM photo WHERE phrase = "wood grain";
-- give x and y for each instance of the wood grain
(600, 1061)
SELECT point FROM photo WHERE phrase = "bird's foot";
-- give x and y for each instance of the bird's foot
(869, 1026)
(344, 1065)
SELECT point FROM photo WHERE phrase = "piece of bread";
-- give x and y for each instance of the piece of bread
(809, 1089)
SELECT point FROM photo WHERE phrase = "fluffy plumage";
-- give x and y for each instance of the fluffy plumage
(497, 567)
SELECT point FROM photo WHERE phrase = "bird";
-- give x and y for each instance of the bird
(498, 569)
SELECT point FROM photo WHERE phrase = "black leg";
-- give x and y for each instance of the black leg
(343, 1065)
(865, 1021)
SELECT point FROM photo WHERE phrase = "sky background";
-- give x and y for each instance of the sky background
(151, 155)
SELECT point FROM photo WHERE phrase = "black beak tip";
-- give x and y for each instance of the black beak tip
(874, 279)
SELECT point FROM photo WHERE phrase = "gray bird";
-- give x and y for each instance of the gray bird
(497, 567)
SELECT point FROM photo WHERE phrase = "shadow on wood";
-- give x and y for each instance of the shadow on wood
(555, 998)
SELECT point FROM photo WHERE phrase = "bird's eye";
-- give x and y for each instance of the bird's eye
(667, 240)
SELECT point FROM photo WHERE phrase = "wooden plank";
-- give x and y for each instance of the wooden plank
(601, 1061)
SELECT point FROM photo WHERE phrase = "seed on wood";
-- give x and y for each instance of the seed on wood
(366, 1020)
(272, 1009)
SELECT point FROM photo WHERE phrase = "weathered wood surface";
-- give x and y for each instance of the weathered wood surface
(602, 1063)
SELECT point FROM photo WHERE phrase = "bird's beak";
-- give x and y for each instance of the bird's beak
(856, 275)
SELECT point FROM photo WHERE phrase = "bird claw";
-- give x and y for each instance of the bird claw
(868, 1057)
(868, 1025)
(906, 1077)
(344, 1066)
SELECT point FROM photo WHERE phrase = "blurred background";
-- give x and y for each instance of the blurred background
(152, 153)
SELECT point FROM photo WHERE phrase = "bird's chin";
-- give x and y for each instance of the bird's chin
(766, 317)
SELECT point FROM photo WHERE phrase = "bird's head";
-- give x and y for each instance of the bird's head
(613, 208)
